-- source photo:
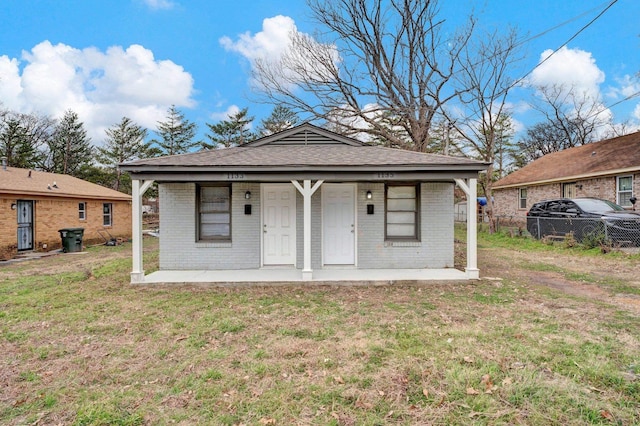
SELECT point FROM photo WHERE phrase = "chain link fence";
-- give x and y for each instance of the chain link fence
(590, 231)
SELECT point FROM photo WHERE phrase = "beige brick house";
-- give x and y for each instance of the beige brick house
(607, 169)
(34, 205)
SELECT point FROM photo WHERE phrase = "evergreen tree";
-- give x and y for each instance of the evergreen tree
(70, 148)
(125, 142)
(15, 145)
(232, 132)
(176, 133)
(281, 118)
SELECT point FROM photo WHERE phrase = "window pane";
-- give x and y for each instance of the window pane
(214, 198)
(624, 183)
(214, 218)
(625, 199)
(400, 204)
(215, 230)
(401, 218)
(215, 212)
(400, 230)
(212, 206)
(401, 192)
(214, 193)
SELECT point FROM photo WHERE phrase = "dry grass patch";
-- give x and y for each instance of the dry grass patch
(81, 346)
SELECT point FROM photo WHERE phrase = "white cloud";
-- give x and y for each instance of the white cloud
(225, 115)
(627, 86)
(271, 42)
(569, 68)
(288, 62)
(101, 87)
(159, 4)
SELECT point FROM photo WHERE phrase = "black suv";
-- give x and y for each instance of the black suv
(584, 217)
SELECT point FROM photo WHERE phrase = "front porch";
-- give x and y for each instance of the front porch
(341, 276)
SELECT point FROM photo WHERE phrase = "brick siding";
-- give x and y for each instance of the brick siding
(507, 201)
(52, 214)
(179, 249)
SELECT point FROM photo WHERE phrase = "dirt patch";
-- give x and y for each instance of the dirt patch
(518, 266)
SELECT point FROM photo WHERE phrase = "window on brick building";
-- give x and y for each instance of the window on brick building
(82, 211)
(402, 212)
(569, 190)
(522, 198)
(214, 212)
(107, 214)
(624, 189)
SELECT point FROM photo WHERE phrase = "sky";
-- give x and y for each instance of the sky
(135, 58)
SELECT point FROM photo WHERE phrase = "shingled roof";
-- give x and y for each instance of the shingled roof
(607, 157)
(25, 182)
(304, 147)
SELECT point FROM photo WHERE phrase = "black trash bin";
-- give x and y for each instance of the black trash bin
(71, 239)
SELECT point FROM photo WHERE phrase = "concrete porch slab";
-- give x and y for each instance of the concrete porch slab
(287, 276)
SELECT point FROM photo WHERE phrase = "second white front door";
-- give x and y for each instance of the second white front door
(338, 224)
(278, 224)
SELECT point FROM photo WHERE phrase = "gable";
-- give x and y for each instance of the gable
(305, 134)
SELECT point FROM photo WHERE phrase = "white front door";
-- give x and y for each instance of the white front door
(278, 224)
(338, 224)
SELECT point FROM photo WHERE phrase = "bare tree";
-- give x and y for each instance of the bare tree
(389, 69)
(484, 82)
(575, 114)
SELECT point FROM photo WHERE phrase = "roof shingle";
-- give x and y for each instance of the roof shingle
(598, 158)
(270, 156)
(18, 181)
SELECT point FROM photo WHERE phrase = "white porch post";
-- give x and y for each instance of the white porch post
(307, 191)
(473, 273)
(138, 189)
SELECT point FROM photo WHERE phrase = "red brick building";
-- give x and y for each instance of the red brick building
(34, 205)
(607, 169)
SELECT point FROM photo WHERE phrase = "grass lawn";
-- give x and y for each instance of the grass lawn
(79, 345)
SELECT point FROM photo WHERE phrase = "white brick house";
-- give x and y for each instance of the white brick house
(309, 204)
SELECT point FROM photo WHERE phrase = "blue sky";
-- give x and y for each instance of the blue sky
(108, 59)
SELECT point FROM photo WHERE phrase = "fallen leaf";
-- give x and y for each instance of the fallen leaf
(363, 404)
(425, 393)
(507, 381)
(468, 359)
(486, 380)
(267, 421)
(472, 391)
(606, 415)
(338, 380)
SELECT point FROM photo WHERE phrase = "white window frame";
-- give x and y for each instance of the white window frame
(619, 192)
(82, 210)
(107, 214)
(521, 198)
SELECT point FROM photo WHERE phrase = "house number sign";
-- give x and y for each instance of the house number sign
(235, 176)
(385, 175)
